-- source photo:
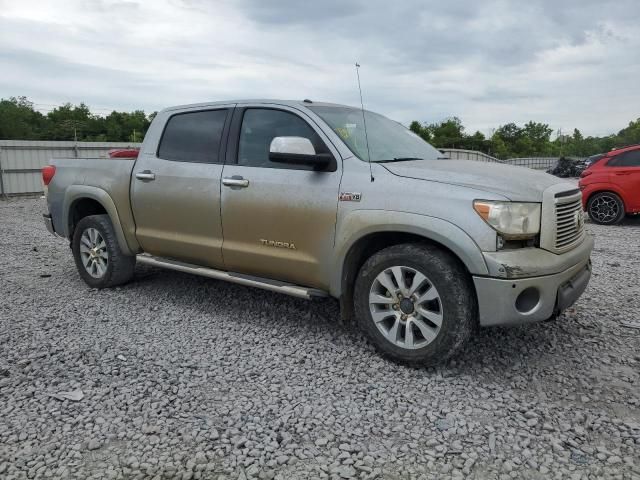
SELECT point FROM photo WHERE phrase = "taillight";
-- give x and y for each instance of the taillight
(47, 174)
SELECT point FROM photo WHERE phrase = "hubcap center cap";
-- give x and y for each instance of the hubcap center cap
(406, 306)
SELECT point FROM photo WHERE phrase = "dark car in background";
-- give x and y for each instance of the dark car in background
(566, 167)
(593, 159)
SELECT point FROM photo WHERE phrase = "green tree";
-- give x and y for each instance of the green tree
(539, 135)
(19, 121)
(499, 147)
(447, 134)
(477, 141)
(420, 130)
(629, 135)
(69, 122)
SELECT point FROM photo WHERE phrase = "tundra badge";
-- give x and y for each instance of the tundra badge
(273, 243)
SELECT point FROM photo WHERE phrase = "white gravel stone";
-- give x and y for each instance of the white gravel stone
(185, 377)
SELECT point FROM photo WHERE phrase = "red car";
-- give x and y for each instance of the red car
(611, 185)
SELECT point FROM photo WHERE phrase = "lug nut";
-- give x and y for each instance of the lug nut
(404, 317)
(395, 306)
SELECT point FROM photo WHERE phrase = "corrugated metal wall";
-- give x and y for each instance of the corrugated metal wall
(21, 160)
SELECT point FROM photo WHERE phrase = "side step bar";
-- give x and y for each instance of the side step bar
(248, 280)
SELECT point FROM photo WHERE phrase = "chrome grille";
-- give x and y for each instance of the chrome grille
(569, 229)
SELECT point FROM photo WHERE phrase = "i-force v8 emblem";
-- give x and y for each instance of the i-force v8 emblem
(349, 197)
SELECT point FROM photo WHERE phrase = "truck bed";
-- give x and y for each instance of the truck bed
(109, 175)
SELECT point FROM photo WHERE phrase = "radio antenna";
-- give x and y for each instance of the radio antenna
(364, 121)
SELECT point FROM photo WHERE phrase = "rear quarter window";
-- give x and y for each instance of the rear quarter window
(626, 159)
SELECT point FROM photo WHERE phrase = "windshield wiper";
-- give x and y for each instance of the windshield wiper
(400, 159)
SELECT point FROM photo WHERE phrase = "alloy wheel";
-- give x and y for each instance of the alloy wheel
(93, 252)
(604, 208)
(406, 307)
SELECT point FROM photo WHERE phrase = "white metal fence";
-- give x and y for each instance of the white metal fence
(460, 154)
(21, 161)
(537, 163)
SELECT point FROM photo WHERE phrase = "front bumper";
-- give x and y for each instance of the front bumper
(511, 301)
(48, 223)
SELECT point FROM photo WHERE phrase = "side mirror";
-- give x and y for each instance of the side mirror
(297, 151)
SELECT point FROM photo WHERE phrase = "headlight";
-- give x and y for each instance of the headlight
(514, 221)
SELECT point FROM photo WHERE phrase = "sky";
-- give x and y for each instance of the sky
(568, 63)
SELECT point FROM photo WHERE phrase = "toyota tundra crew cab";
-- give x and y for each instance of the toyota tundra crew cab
(315, 199)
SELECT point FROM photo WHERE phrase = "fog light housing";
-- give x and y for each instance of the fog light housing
(528, 300)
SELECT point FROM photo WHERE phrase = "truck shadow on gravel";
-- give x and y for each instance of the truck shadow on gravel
(320, 320)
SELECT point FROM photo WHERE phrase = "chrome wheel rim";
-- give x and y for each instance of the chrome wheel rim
(604, 208)
(93, 252)
(406, 307)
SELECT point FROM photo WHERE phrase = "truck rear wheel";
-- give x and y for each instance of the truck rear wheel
(98, 257)
(416, 303)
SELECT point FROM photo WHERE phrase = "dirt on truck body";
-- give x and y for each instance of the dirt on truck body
(307, 199)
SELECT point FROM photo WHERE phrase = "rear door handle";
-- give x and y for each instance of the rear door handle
(235, 182)
(146, 175)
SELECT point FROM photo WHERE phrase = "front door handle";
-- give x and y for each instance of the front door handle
(235, 182)
(623, 173)
(146, 175)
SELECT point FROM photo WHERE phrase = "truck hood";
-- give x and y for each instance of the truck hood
(515, 183)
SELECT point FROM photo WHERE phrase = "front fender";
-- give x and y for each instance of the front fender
(78, 192)
(360, 223)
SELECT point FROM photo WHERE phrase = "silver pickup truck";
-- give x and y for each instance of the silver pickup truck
(314, 199)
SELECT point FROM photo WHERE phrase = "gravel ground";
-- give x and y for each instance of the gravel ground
(185, 377)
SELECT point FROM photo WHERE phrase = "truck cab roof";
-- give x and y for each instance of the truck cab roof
(290, 103)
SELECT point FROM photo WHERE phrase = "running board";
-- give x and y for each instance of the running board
(248, 280)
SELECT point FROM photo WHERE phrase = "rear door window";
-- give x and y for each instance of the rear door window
(193, 137)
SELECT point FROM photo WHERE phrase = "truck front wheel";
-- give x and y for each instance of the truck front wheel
(98, 257)
(416, 303)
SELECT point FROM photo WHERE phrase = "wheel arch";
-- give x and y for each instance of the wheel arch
(425, 230)
(81, 201)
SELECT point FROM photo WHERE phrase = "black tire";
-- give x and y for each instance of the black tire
(456, 295)
(605, 208)
(119, 268)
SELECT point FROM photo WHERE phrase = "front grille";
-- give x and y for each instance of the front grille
(569, 221)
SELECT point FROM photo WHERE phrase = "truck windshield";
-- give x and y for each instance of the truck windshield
(388, 140)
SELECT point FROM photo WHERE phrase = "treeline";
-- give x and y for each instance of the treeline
(20, 121)
(533, 139)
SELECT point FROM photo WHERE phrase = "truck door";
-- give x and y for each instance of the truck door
(175, 189)
(624, 171)
(278, 219)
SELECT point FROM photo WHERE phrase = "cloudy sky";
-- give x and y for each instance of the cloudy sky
(569, 63)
